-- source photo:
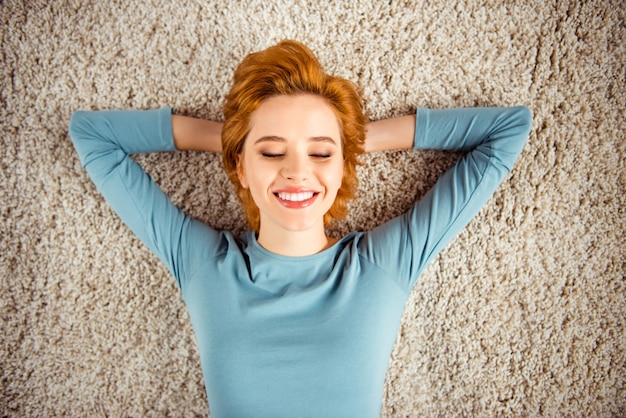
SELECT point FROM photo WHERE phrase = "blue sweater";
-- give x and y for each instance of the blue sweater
(298, 336)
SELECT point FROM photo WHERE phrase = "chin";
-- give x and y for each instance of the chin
(296, 222)
(299, 226)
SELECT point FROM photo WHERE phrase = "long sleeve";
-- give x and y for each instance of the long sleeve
(104, 141)
(493, 139)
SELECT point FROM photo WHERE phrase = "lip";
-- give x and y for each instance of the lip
(295, 203)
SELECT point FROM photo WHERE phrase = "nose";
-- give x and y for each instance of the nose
(296, 168)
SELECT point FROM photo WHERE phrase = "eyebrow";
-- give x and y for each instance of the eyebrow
(272, 138)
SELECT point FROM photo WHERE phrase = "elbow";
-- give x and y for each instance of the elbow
(520, 123)
(79, 130)
(86, 136)
(79, 125)
(525, 120)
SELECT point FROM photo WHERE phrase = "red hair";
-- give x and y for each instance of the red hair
(290, 68)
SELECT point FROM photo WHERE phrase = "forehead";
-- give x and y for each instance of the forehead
(294, 117)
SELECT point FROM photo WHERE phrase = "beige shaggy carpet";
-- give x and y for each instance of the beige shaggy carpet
(523, 314)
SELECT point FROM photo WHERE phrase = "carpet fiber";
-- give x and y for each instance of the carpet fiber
(523, 314)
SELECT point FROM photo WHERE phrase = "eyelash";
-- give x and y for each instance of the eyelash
(270, 155)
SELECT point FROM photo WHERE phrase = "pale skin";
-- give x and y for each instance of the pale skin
(292, 163)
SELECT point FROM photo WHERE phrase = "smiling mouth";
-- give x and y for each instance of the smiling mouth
(296, 200)
(295, 197)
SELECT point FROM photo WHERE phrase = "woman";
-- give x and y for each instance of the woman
(290, 322)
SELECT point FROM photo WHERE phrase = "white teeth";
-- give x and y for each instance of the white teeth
(295, 197)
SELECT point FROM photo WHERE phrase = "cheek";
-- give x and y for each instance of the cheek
(257, 176)
(334, 176)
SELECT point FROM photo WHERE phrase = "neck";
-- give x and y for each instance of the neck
(294, 243)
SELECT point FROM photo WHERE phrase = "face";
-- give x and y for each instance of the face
(292, 161)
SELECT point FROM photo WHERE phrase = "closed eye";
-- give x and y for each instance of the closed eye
(271, 155)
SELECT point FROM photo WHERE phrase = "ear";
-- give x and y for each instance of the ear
(240, 172)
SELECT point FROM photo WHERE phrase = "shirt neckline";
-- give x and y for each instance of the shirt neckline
(333, 249)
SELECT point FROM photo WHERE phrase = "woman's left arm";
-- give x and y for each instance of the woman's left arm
(492, 138)
(390, 134)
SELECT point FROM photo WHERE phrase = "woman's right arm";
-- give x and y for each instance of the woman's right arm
(193, 134)
(104, 141)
